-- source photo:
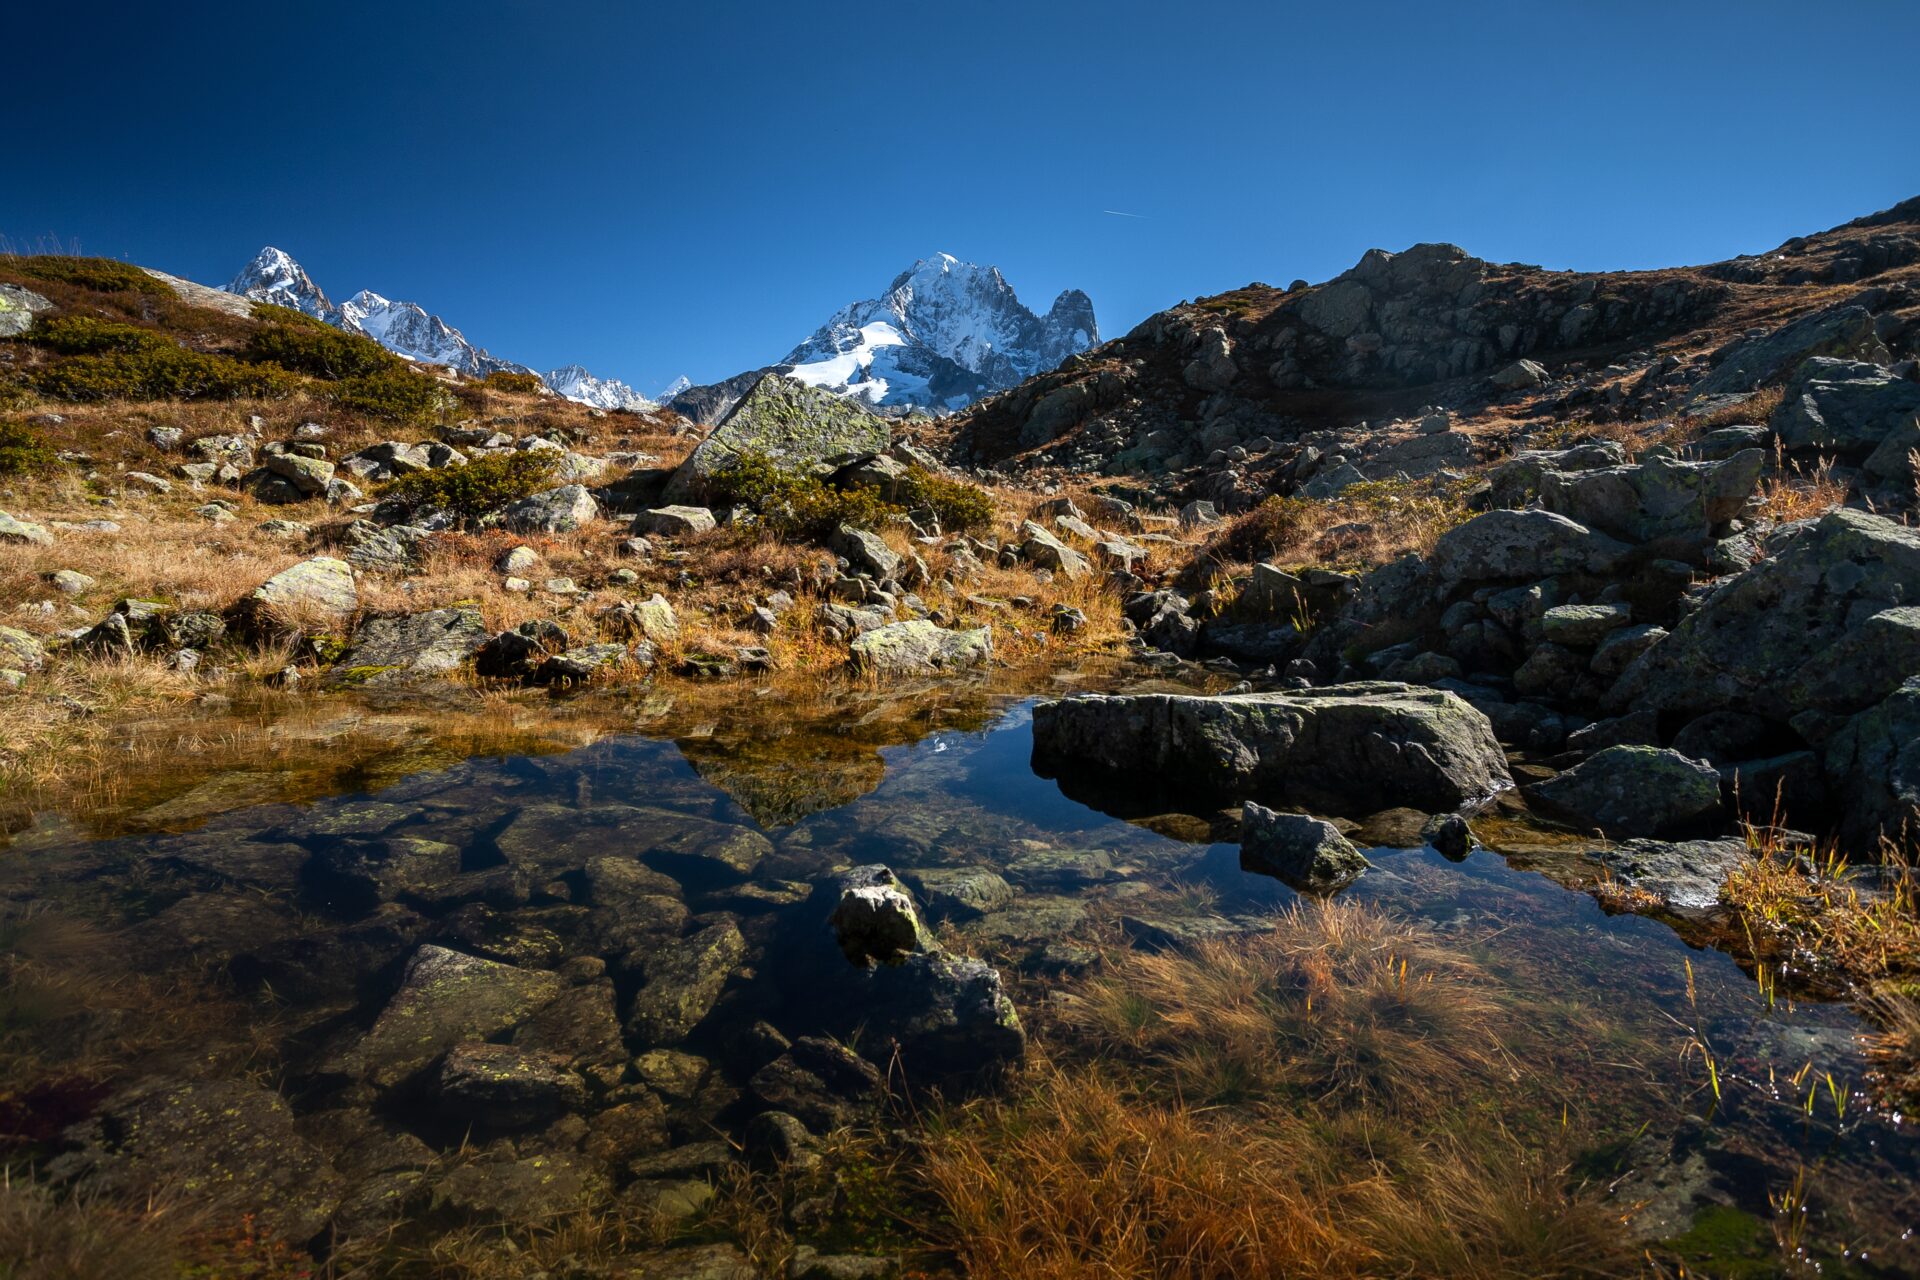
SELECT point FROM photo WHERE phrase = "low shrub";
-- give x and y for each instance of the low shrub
(103, 275)
(519, 383)
(397, 395)
(318, 349)
(22, 451)
(955, 503)
(795, 504)
(473, 489)
(162, 372)
(86, 335)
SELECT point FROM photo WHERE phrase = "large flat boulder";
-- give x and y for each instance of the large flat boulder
(1846, 406)
(1633, 791)
(410, 645)
(796, 426)
(1746, 364)
(1522, 545)
(1658, 499)
(919, 647)
(1778, 639)
(1346, 749)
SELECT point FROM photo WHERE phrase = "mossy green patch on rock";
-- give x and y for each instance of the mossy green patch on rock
(802, 428)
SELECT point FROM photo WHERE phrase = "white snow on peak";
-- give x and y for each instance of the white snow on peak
(575, 383)
(409, 329)
(674, 388)
(945, 333)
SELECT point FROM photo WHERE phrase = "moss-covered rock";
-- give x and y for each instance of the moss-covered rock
(802, 428)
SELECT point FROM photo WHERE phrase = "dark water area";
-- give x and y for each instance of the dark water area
(260, 947)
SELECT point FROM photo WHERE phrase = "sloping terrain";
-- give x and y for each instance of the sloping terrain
(1262, 369)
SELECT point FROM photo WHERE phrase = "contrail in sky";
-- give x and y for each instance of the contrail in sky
(1118, 214)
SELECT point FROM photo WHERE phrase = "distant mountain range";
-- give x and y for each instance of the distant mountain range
(410, 330)
(944, 334)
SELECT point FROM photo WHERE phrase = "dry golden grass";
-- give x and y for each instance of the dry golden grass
(1368, 524)
(1815, 906)
(1287, 1105)
(1754, 411)
(1799, 491)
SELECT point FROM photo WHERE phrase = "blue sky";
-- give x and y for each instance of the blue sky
(653, 190)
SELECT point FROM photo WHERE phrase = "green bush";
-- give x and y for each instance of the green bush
(795, 504)
(521, 383)
(955, 503)
(472, 489)
(398, 395)
(162, 372)
(102, 275)
(86, 335)
(319, 349)
(22, 450)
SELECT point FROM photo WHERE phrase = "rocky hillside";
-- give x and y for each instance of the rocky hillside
(1430, 359)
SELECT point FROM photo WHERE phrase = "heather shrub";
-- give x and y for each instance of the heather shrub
(161, 372)
(791, 503)
(318, 349)
(955, 503)
(103, 275)
(87, 335)
(472, 489)
(519, 383)
(396, 394)
(22, 451)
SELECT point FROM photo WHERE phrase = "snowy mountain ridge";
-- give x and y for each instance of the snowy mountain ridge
(945, 333)
(410, 330)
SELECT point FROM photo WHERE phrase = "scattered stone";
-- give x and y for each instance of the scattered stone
(14, 530)
(865, 552)
(675, 522)
(316, 593)
(69, 582)
(410, 645)
(1305, 853)
(1520, 375)
(803, 429)
(875, 921)
(562, 510)
(518, 561)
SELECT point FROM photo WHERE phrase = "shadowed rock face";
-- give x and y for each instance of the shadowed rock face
(1347, 749)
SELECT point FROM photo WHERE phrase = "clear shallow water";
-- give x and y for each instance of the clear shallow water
(286, 968)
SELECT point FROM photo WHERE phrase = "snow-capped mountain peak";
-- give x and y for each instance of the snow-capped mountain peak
(575, 383)
(944, 333)
(273, 276)
(409, 329)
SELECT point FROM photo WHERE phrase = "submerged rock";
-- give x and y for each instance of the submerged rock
(682, 981)
(445, 998)
(1686, 876)
(944, 1015)
(506, 1086)
(212, 1141)
(1341, 749)
(1305, 853)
